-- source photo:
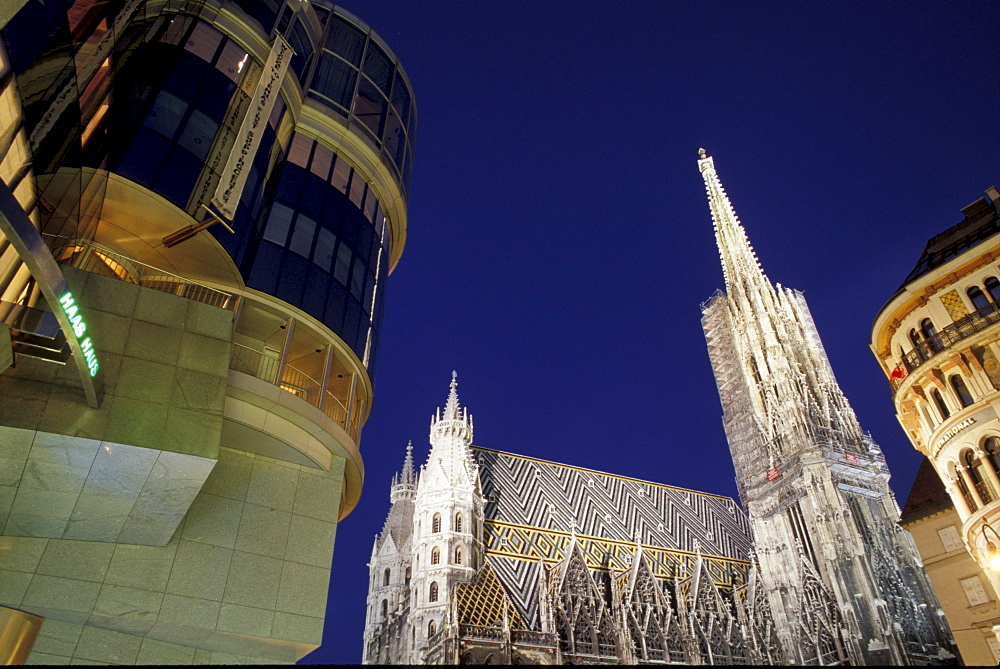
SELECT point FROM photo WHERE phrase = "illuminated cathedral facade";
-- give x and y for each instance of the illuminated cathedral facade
(489, 557)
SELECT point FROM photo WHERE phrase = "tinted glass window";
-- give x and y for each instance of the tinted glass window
(342, 271)
(278, 224)
(166, 114)
(370, 106)
(345, 40)
(325, 243)
(199, 133)
(302, 238)
(358, 280)
(335, 79)
(378, 67)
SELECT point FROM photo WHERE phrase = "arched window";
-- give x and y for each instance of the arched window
(407, 580)
(435, 555)
(979, 300)
(436, 523)
(432, 593)
(915, 338)
(975, 467)
(458, 522)
(964, 396)
(385, 608)
(928, 330)
(927, 417)
(993, 288)
(992, 448)
(942, 407)
(431, 629)
(964, 489)
(385, 577)
(458, 555)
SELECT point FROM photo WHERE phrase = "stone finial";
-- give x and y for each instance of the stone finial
(701, 154)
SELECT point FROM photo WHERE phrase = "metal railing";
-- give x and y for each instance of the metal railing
(951, 334)
(92, 257)
(985, 491)
(265, 367)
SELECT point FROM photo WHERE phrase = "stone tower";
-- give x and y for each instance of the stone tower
(845, 581)
(448, 515)
(390, 568)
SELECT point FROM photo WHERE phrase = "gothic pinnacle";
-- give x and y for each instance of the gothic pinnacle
(407, 475)
(451, 406)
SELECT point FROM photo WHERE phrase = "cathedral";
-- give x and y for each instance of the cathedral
(489, 557)
(844, 580)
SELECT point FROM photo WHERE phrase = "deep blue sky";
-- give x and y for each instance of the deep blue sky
(560, 241)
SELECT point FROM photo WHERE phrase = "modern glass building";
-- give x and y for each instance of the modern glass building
(201, 203)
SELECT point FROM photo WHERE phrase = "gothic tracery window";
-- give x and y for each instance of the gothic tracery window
(431, 628)
(432, 593)
(385, 608)
(458, 522)
(436, 523)
(435, 555)
(458, 555)
(385, 577)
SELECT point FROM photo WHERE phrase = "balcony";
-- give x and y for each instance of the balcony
(291, 379)
(97, 259)
(950, 335)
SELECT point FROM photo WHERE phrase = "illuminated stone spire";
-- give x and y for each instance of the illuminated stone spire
(737, 255)
(455, 422)
(408, 476)
(451, 405)
(813, 483)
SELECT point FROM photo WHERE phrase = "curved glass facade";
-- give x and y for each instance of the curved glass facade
(310, 229)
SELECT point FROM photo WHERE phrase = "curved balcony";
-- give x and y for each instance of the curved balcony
(289, 378)
(950, 335)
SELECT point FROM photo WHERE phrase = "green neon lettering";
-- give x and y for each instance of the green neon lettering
(66, 299)
(72, 311)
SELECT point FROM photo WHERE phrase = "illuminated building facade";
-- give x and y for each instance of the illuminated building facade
(844, 580)
(201, 203)
(938, 341)
(961, 585)
(489, 557)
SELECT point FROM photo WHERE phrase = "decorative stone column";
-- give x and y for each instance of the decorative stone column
(970, 485)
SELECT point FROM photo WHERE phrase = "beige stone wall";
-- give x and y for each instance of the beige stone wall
(129, 470)
(971, 625)
(246, 574)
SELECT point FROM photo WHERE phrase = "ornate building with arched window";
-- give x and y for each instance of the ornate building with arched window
(938, 341)
(517, 560)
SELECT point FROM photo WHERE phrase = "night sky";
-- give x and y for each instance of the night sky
(560, 240)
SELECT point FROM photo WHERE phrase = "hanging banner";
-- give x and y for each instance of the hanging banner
(773, 473)
(234, 175)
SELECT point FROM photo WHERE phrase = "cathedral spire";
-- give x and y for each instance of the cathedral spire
(738, 258)
(451, 405)
(408, 475)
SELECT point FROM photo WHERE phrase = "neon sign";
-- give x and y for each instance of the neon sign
(79, 328)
